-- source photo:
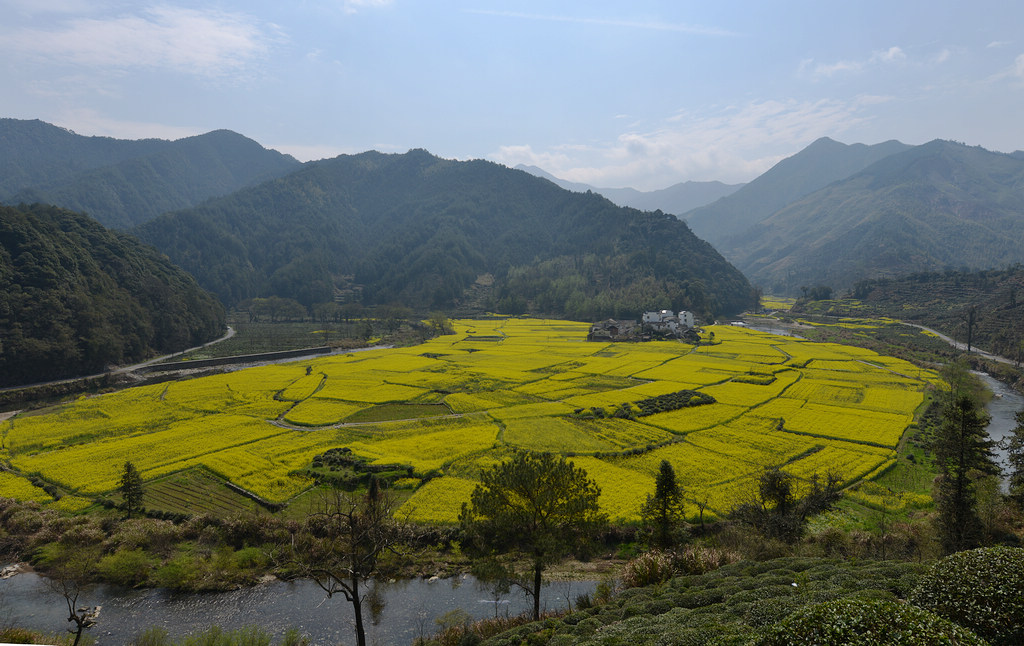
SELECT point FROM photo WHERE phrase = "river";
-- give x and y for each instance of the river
(1002, 408)
(410, 610)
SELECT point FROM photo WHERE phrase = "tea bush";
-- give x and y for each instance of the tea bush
(982, 589)
(858, 622)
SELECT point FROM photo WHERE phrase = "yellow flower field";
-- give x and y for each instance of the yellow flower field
(511, 384)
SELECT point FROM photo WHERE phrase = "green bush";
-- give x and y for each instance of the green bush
(849, 622)
(981, 589)
(127, 567)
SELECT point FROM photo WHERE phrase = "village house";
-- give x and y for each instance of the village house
(652, 324)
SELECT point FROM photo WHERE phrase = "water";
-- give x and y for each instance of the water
(771, 328)
(410, 610)
(1002, 408)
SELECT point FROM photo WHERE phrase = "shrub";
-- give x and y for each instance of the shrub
(982, 589)
(647, 569)
(128, 568)
(699, 560)
(849, 622)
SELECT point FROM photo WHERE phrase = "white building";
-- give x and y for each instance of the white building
(668, 321)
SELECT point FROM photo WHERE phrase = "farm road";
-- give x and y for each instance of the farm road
(123, 369)
(963, 346)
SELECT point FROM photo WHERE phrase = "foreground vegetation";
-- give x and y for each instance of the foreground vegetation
(793, 601)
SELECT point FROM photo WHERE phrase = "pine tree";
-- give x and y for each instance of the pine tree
(1014, 444)
(131, 488)
(665, 510)
(963, 452)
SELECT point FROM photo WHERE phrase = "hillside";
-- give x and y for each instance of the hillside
(815, 167)
(931, 207)
(125, 183)
(75, 298)
(942, 300)
(420, 230)
(676, 199)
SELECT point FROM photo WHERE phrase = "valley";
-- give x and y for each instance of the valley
(484, 281)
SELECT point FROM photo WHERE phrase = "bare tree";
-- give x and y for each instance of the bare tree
(67, 576)
(342, 543)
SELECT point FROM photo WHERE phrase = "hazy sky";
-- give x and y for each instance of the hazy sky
(637, 93)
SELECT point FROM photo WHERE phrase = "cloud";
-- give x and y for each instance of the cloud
(731, 144)
(34, 7)
(355, 6)
(654, 25)
(891, 55)
(998, 43)
(1018, 67)
(882, 57)
(207, 43)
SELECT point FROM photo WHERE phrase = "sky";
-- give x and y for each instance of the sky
(642, 93)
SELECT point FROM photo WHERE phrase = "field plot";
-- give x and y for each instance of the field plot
(464, 401)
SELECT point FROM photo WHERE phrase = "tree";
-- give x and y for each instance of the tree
(539, 505)
(963, 452)
(777, 512)
(665, 510)
(1014, 445)
(341, 544)
(69, 571)
(131, 488)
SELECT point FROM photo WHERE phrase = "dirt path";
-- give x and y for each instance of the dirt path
(963, 346)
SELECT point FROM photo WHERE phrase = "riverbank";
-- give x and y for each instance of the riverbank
(410, 608)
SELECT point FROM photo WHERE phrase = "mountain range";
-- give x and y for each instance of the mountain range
(425, 231)
(836, 214)
(676, 199)
(420, 230)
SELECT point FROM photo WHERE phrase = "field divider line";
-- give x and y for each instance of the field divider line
(219, 450)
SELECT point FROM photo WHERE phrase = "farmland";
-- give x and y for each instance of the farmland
(720, 413)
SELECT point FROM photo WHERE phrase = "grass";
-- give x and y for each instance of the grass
(195, 491)
(391, 412)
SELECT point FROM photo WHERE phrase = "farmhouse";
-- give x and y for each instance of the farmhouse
(659, 323)
(613, 330)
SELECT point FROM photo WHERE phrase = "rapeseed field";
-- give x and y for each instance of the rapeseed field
(496, 386)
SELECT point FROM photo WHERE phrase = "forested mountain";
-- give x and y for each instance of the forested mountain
(815, 167)
(928, 208)
(35, 152)
(75, 297)
(676, 199)
(125, 183)
(419, 230)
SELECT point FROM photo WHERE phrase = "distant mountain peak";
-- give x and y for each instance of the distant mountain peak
(676, 199)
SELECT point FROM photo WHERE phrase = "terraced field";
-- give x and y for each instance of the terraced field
(461, 402)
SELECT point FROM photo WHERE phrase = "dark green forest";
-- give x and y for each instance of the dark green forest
(75, 297)
(419, 230)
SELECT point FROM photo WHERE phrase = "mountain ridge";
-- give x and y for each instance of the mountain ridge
(927, 208)
(676, 199)
(821, 163)
(122, 183)
(419, 229)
